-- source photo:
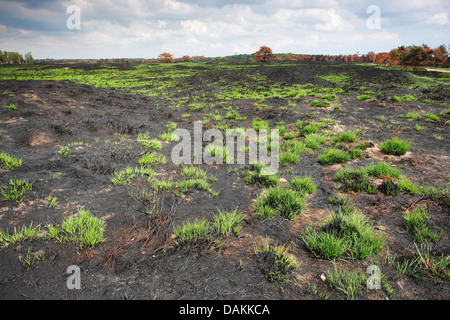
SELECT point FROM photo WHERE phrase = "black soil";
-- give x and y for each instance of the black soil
(140, 259)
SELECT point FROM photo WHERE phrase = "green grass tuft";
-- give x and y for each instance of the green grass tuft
(288, 203)
(345, 136)
(11, 107)
(320, 103)
(15, 189)
(84, 230)
(396, 146)
(198, 184)
(314, 141)
(8, 162)
(303, 184)
(278, 262)
(345, 233)
(150, 158)
(348, 282)
(417, 222)
(331, 156)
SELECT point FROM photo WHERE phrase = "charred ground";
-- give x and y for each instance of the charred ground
(97, 113)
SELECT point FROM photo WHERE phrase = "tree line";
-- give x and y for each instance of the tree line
(412, 55)
(415, 56)
(405, 55)
(15, 57)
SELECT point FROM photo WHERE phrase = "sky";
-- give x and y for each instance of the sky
(214, 28)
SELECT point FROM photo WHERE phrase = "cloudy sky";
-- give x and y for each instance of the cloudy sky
(143, 29)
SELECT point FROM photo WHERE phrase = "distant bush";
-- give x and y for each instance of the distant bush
(165, 57)
(264, 54)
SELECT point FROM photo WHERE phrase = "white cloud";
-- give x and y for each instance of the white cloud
(3, 28)
(438, 19)
(194, 27)
(385, 35)
(140, 28)
(333, 22)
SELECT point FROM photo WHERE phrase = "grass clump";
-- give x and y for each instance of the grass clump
(278, 262)
(363, 97)
(382, 169)
(258, 124)
(309, 128)
(144, 140)
(51, 202)
(287, 158)
(331, 156)
(83, 229)
(159, 185)
(8, 162)
(193, 172)
(289, 135)
(345, 136)
(358, 180)
(255, 177)
(417, 222)
(405, 185)
(348, 282)
(19, 235)
(65, 151)
(169, 136)
(296, 147)
(314, 141)
(301, 184)
(413, 115)
(193, 231)
(346, 233)
(11, 107)
(234, 115)
(226, 222)
(15, 189)
(126, 175)
(435, 193)
(320, 103)
(396, 146)
(288, 203)
(354, 153)
(341, 200)
(431, 117)
(150, 158)
(202, 230)
(426, 263)
(198, 184)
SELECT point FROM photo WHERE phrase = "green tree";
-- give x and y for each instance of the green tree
(29, 58)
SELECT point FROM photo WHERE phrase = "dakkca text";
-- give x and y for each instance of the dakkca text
(226, 310)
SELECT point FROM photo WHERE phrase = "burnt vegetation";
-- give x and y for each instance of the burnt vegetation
(86, 154)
